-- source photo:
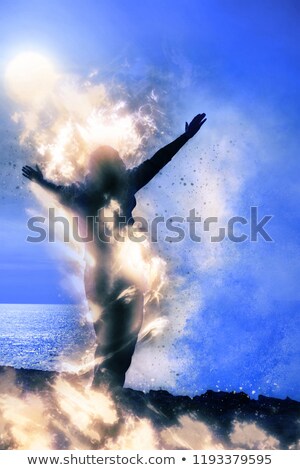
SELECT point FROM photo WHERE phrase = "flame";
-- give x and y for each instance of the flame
(189, 434)
(72, 415)
(27, 421)
(84, 407)
(80, 117)
(148, 272)
(136, 434)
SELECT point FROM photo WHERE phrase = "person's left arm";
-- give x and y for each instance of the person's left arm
(141, 175)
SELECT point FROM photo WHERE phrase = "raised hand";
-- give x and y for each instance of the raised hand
(193, 127)
(33, 175)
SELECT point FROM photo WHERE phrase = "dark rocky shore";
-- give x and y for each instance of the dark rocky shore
(219, 410)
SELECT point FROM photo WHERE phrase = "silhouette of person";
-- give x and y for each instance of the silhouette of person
(114, 298)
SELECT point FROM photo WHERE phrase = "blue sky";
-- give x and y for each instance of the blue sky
(237, 61)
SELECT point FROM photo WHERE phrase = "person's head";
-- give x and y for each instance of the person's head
(106, 170)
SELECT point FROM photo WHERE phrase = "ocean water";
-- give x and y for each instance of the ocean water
(43, 336)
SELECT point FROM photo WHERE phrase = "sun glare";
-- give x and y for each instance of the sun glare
(30, 77)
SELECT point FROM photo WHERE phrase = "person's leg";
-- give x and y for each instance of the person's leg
(117, 331)
(113, 368)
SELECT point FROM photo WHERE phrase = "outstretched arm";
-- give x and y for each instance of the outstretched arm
(65, 194)
(142, 174)
(37, 177)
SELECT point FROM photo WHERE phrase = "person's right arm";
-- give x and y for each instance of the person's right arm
(36, 175)
(65, 194)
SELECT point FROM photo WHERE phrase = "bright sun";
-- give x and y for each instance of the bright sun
(30, 77)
